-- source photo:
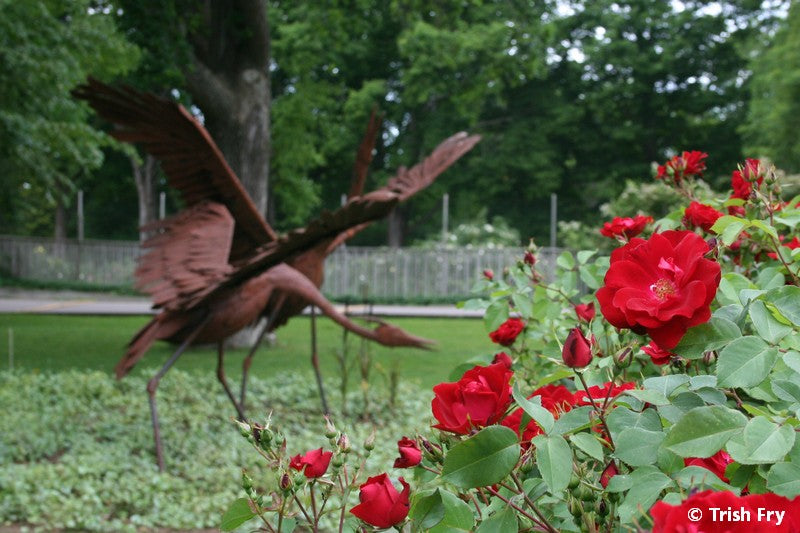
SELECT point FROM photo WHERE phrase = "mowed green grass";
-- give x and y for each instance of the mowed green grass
(59, 342)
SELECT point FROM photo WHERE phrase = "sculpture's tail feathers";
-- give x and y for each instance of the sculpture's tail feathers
(138, 346)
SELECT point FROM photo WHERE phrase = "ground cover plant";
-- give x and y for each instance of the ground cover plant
(643, 391)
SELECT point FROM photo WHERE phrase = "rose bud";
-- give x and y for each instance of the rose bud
(529, 258)
(286, 482)
(313, 464)
(381, 504)
(609, 472)
(488, 274)
(410, 454)
(577, 353)
(585, 312)
(503, 358)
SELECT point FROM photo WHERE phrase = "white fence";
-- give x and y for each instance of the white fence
(350, 272)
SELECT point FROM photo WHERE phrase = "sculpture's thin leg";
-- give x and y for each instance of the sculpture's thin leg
(221, 378)
(315, 360)
(249, 359)
(152, 385)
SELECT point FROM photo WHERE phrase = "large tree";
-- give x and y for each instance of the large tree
(46, 145)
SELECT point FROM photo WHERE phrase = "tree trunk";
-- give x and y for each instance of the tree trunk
(145, 177)
(230, 82)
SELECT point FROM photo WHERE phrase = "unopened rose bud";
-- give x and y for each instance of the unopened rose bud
(488, 274)
(330, 429)
(624, 357)
(369, 444)
(286, 482)
(337, 461)
(709, 358)
(529, 258)
(344, 443)
(431, 452)
(577, 353)
(247, 482)
(609, 472)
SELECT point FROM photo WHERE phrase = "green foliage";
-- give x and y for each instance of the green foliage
(483, 459)
(47, 145)
(78, 452)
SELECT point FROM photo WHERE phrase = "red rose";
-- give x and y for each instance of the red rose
(609, 472)
(736, 210)
(577, 352)
(410, 454)
(381, 505)
(681, 166)
(661, 286)
(555, 398)
(478, 399)
(685, 518)
(716, 463)
(657, 354)
(585, 312)
(507, 333)
(699, 215)
(600, 393)
(529, 258)
(488, 274)
(503, 358)
(749, 176)
(625, 227)
(314, 463)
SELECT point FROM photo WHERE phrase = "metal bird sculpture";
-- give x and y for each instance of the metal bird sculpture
(217, 266)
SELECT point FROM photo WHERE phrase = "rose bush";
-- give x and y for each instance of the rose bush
(683, 392)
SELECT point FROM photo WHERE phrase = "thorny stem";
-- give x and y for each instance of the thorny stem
(313, 504)
(303, 510)
(599, 411)
(558, 290)
(778, 247)
(522, 511)
(475, 503)
(527, 499)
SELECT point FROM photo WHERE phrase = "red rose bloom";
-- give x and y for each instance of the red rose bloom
(478, 399)
(625, 227)
(743, 180)
(381, 505)
(684, 518)
(503, 358)
(681, 166)
(507, 333)
(555, 398)
(699, 215)
(736, 210)
(716, 463)
(410, 454)
(585, 312)
(313, 464)
(658, 355)
(577, 352)
(661, 287)
(600, 393)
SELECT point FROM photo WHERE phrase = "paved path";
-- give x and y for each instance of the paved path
(85, 303)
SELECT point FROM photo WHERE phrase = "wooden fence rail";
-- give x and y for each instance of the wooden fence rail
(349, 272)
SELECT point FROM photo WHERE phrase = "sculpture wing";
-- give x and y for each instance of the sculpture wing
(183, 255)
(364, 155)
(189, 157)
(357, 211)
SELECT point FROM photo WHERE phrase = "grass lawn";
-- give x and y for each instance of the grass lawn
(53, 342)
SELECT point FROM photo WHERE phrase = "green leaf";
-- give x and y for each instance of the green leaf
(566, 261)
(637, 446)
(703, 431)
(496, 314)
(666, 385)
(458, 517)
(729, 287)
(786, 300)
(792, 360)
(554, 459)
(745, 362)
(695, 477)
(761, 442)
(588, 444)
(766, 325)
(503, 520)
(237, 514)
(585, 255)
(539, 414)
(647, 483)
(427, 509)
(765, 227)
(728, 228)
(483, 459)
(770, 278)
(523, 304)
(784, 479)
(648, 396)
(786, 390)
(572, 420)
(712, 335)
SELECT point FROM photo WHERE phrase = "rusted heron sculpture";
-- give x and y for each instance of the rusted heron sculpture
(217, 266)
